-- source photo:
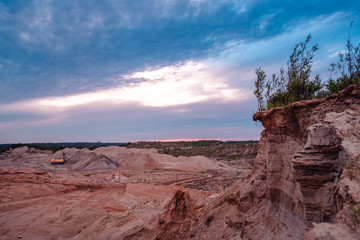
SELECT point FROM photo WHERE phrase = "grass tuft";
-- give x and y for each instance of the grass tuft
(353, 168)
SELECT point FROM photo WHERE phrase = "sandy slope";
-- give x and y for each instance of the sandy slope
(107, 193)
(50, 210)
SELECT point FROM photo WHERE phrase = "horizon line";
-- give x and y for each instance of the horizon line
(159, 140)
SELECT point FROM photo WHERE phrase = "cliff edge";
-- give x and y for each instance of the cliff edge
(305, 183)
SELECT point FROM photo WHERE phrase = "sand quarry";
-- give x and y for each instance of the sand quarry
(107, 193)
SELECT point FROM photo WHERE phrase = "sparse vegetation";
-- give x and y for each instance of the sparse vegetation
(292, 85)
(355, 212)
(347, 70)
(353, 168)
(231, 150)
(54, 147)
(296, 84)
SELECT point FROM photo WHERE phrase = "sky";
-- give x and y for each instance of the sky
(150, 70)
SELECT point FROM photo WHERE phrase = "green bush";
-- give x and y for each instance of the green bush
(296, 84)
(292, 85)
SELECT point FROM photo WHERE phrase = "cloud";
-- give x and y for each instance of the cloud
(187, 100)
(173, 85)
(68, 47)
(337, 53)
(109, 121)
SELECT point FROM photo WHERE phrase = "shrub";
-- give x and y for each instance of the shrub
(296, 84)
(292, 85)
(347, 70)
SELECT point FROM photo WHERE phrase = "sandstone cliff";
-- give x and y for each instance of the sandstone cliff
(305, 182)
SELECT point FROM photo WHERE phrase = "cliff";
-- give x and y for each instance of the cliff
(305, 183)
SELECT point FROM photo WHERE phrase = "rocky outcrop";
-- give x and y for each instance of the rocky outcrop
(309, 143)
(179, 207)
(317, 168)
(299, 178)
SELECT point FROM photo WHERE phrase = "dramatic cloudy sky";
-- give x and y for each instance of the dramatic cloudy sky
(130, 70)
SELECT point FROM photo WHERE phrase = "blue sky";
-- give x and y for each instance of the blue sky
(151, 69)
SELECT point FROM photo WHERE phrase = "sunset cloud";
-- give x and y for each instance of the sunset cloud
(179, 84)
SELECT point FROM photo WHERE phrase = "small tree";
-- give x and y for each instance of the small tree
(299, 84)
(347, 70)
(259, 87)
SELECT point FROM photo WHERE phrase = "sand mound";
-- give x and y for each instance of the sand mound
(20, 150)
(95, 162)
(134, 159)
(85, 159)
(113, 157)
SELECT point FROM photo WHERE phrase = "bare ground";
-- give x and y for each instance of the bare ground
(107, 193)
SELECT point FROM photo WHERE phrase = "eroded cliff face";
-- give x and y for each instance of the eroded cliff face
(307, 146)
(299, 187)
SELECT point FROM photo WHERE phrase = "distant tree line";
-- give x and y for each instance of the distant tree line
(296, 84)
(54, 147)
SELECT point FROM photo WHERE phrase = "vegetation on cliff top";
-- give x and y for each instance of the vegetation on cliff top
(296, 84)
